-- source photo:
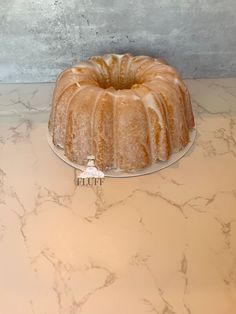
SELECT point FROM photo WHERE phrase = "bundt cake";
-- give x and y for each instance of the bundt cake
(128, 111)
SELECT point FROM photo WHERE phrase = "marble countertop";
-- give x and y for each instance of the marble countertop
(163, 243)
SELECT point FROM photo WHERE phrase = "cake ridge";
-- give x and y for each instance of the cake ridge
(128, 111)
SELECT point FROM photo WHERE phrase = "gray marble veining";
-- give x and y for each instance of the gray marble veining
(25, 98)
(163, 243)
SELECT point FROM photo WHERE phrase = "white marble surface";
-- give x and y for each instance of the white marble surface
(163, 243)
(25, 98)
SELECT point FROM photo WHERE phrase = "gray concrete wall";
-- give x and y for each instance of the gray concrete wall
(40, 38)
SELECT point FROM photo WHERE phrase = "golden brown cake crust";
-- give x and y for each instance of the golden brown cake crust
(128, 111)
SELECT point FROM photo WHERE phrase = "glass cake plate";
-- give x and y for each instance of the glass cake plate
(116, 173)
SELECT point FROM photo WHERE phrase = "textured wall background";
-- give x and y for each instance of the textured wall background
(39, 38)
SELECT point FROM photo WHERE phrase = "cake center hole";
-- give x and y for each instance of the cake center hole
(119, 82)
